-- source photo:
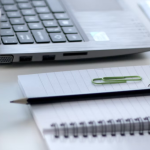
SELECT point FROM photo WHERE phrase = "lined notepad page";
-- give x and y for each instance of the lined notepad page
(75, 82)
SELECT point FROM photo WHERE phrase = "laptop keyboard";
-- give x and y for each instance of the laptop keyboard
(36, 21)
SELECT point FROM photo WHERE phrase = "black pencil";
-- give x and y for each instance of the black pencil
(83, 97)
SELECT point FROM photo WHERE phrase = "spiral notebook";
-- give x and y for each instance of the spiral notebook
(110, 124)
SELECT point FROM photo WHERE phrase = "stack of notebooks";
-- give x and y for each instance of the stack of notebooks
(108, 124)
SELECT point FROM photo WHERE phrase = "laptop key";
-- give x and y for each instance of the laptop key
(2, 12)
(40, 36)
(61, 16)
(53, 30)
(74, 38)
(57, 37)
(17, 21)
(20, 28)
(46, 16)
(28, 12)
(24, 6)
(35, 26)
(69, 30)
(55, 6)
(9, 40)
(65, 23)
(38, 3)
(31, 19)
(10, 8)
(42, 10)
(50, 24)
(3, 18)
(25, 38)
(5, 25)
(6, 32)
(22, 1)
(15, 14)
(7, 2)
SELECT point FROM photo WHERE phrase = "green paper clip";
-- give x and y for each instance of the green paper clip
(115, 80)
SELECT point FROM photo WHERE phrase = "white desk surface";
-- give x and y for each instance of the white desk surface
(17, 127)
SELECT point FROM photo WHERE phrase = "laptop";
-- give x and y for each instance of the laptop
(52, 30)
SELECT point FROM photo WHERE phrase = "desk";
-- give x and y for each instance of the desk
(18, 130)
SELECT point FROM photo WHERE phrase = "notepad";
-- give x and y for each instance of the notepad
(62, 114)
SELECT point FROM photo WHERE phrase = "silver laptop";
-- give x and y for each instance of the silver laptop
(50, 30)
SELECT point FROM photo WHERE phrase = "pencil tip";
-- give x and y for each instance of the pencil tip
(20, 101)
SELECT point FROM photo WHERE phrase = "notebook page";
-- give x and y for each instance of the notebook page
(69, 113)
(76, 82)
(79, 81)
(58, 83)
(107, 143)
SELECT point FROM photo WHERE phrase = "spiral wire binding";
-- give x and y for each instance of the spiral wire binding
(102, 127)
(122, 126)
(132, 127)
(56, 128)
(113, 127)
(65, 129)
(148, 119)
(75, 129)
(84, 129)
(94, 128)
(141, 124)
